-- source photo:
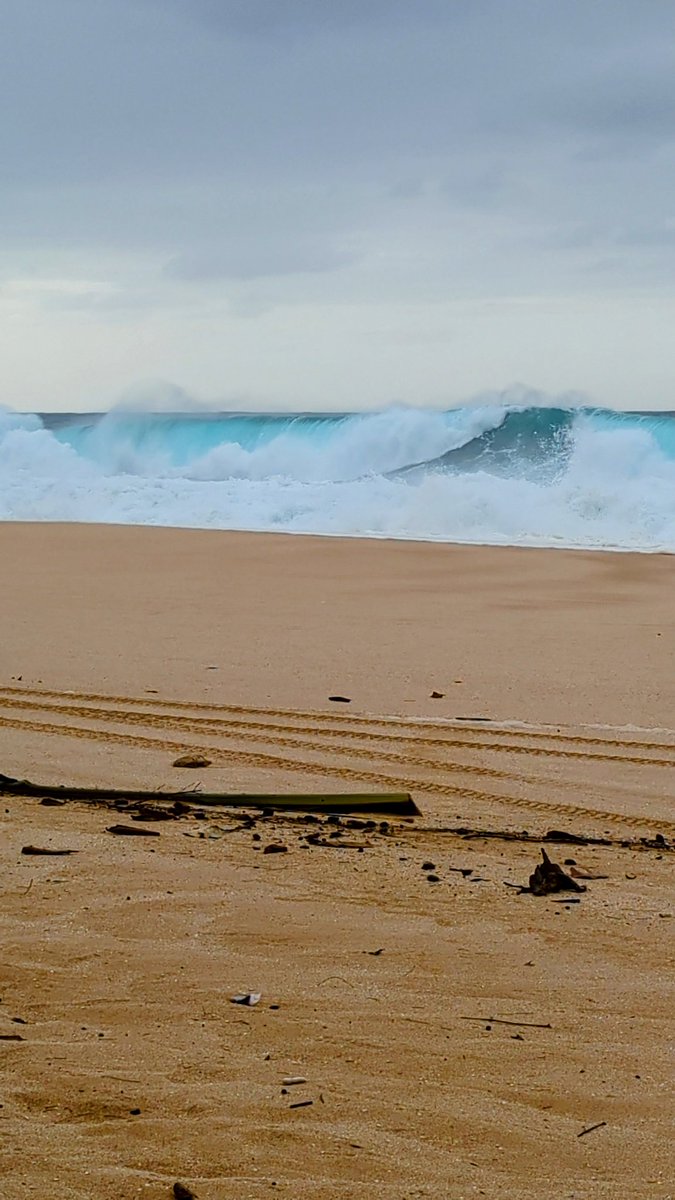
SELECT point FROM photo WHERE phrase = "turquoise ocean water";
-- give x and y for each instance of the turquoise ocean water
(490, 473)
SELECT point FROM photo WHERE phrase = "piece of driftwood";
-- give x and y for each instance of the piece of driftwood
(132, 831)
(591, 1128)
(549, 877)
(503, 1021)
(385, 802)
(45, 850)
(508, 835)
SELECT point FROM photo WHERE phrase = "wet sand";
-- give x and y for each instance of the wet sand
(122, 648)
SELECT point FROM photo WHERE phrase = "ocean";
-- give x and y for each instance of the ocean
(492, 474)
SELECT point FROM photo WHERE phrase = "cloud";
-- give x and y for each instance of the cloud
(377, 153)
(255, 259)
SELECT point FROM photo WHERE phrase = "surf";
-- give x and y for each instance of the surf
(492, 473)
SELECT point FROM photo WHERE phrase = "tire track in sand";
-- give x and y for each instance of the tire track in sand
(484, 736)
(408, 780)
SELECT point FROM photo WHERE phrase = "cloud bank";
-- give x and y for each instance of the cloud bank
(337, 205)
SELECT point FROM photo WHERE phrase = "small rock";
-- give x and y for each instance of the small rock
(437, 695)
(433, 879)
(275, 848)
(339, 699)
(193, 761)
(428, 866)
(293, 1080)
(181, 1192)
(248, 998)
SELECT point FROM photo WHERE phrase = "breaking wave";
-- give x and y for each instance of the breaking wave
(496, 473)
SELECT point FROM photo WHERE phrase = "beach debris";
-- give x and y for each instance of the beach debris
(192, 761)
(249, 999)
(436, 695)
(153, 812)
(549, 877)
(506, 1021)
(433, 879)
(293, 1080)
(45, 850)
(658, 842)
(301, 1104)
(11, 1037)
(275, 848)
(428, 866)
(132, 831)
(52, 802)
(583, 873)
(509, 835)
(400, 803)
(473, 718)
(181, 1192)
(339, 699)
(571, 839)
(591, 1128)
(375, 953)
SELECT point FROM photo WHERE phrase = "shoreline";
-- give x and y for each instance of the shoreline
(358, 537)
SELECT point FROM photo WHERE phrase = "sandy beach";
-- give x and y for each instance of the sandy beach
(457, 1038)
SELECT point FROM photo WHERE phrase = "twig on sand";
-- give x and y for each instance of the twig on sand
(503, 1021)
(590, 1129)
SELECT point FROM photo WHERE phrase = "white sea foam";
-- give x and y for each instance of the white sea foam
(600, 480)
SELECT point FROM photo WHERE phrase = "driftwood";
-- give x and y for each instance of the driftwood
(548, 877)
(132, 831)
(45, 850)
(591, 1128)
(470, 833)
(346, 802)
(503, 1021)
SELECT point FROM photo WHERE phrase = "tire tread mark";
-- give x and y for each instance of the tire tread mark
(257, 759)
(394, 722)
(449, 742)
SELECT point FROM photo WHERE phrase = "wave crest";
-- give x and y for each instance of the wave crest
(518, 474)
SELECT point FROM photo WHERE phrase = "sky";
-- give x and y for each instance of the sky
(306, 204)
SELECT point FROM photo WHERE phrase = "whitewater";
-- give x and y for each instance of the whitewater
(488, 473)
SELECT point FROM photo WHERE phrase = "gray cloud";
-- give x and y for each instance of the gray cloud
(404, 152)
(255, 259)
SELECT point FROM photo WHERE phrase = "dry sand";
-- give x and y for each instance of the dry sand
(124, 647)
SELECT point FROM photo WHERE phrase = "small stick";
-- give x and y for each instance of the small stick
(502, 1021)
(590, 1129)
(301, 1104)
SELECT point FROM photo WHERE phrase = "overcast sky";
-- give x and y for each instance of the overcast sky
(336, 203)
